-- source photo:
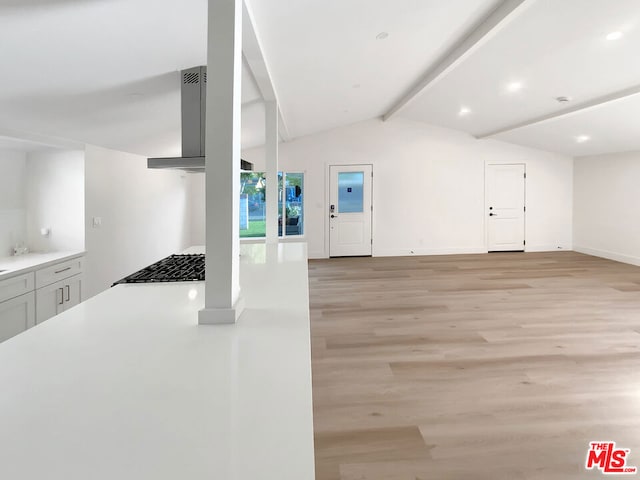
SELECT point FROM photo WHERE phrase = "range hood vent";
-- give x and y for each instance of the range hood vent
(193, 100)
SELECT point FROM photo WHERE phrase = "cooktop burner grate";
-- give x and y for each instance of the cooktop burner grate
(174, 268)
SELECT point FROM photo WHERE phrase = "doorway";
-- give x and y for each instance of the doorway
(350, 210)
(505, 207)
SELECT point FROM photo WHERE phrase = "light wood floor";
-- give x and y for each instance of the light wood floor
(473, 367)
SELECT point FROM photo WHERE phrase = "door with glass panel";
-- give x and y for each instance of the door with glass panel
(350, 210)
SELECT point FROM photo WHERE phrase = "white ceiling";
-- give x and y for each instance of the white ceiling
(103, 72)
(106, 71)
(330, 70)
(553, 48)
(612, 127)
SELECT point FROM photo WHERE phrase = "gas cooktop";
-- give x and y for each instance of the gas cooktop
(174, 268)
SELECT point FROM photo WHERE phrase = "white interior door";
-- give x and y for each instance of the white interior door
(350, 210)
(505, 195)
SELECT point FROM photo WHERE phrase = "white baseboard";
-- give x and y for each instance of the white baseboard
(547, 248)
(425, 251)
(618, 257)
(406, 252)
(317, 255)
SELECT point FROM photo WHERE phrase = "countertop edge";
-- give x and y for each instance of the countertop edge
(64, 256)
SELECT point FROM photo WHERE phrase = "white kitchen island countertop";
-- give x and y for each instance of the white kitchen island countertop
(128, 386)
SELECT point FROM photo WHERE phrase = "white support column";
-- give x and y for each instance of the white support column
(222, 166)
(271, 137)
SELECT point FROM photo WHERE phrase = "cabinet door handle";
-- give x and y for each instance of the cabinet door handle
(63, 270)
(61, 290)
(68, 293)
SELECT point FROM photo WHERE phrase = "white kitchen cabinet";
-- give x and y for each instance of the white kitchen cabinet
(59, 271)
(73, 292)
(49, 301)
(37, 292)
(17, 315)
(58, 297)
(16, 286)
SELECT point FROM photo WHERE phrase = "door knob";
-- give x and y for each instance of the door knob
(493, 214)
(334, 216)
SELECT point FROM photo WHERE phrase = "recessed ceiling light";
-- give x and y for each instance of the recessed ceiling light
(382, 35)
(464, 111)
(614, 36)
(583, 138)
(563, 99)
(514, 86)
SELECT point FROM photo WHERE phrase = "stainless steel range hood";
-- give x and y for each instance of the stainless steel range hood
(193, 110)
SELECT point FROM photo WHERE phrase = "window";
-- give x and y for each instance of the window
(253, 204)
(350, 187)
(293, 207)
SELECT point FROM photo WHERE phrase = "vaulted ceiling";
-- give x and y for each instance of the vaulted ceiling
(106, 71)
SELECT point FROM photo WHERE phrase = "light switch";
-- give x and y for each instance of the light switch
(97, 222)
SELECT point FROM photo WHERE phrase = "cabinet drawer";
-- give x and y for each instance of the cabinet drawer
(58, 272)
(16, 286)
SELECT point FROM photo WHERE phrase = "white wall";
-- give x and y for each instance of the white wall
(144, 216)
(428, 186)
(55, 200)
(607, 196)
(13, 200)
